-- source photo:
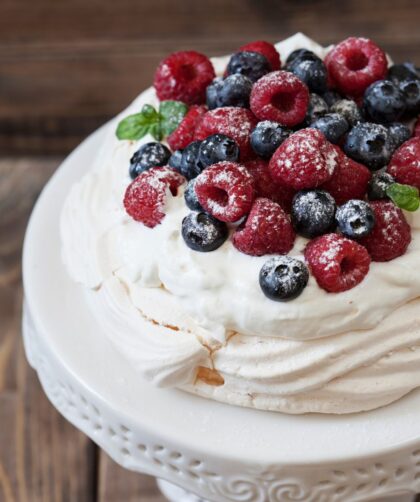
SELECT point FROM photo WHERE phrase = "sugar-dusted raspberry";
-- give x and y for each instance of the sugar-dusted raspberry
(354, 64)
(237, 123)
(266, 49)
(391, 234)
(225, 190)
(145, 197)
(265, 186)
(337, 263)
(280, 96)
(304, 160)
(349, 181)
(405, 163)
(184, 133)
(416, 132)
(184, 76)
(267, 230)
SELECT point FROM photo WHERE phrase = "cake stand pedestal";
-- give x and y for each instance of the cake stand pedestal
(219, 452)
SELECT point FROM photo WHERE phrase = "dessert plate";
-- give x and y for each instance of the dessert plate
(221, 452)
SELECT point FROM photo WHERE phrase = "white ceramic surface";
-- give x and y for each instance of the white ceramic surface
(221, 452)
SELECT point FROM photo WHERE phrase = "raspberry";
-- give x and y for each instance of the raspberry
(280, 96)
(349, 181)
(337, 263)
(416, 132)
(145, 197)
(354, 64)
(237, 123)
(304, 160)
(184, 133)
(184, 76)
(405, 163)
(265, 186)
(266, 49)
(267, 230)
(225, 190)
(391, 234)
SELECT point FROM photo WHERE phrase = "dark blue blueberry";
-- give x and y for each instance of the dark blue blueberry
(234, 90)
(378, 186)
(317, 107)
(312, 72)
(191, 197)
(384, 101)
(370, 144)
(405, 71)
(355, 219)
(331, 97)
(212, 93)
(411, 93)
(349, 110)
(399, 133)
(301, 55)
(267, 137)
(175, 160)
(332, 125)
(217, 148)
(251, 64)
(202, 232)
(313, 212)
(283, 278)
(190, 166)
(148, 155)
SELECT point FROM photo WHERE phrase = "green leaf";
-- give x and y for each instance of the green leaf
(171, 113)
(404, 196)
(132, 127)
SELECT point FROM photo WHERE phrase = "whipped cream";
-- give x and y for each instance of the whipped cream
(171, 310)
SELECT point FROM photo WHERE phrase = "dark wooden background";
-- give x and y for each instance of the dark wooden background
(66, 66)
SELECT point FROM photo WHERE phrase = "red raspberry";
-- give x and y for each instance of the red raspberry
(267, 230)
(354, 64)
(416, 132)
(391, 234)
(304, 160)
(337, 263)
(266, 49)
(349, 181)
(405, 163)
(184, 133)
(237, 123)
(225, 191)
(145, 197)
(280, 96)
(265, 186)
(184, 76)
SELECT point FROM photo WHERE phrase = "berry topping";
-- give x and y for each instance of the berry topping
(267, 230)
(331, 97)
(411, 92)
(184, 76)
(337, 263)
(349, 110)
(266, 49)
(317, 108)
(175, 160)
(280, 96)
(405, 163)
(391, 234)
(378, 186)
(311, 71)
(283, 278)
(191, 197)
(332, 125)
(251, 64)
(301, 55)
(216, 148)
(190, 166)
(184, 133)
(225, 190)
(355, 219)
(416, 132)
(202, 232)
(354, 64)
(304, 160)
(404, 71)
(148, 155)
(399, 133)
(234, 90)
(236, 123)
(383, 101)
(369, 144)
(267, 137)
(146, 196)
(313, 213)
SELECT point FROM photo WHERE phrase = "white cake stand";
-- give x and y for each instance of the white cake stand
(220, 452)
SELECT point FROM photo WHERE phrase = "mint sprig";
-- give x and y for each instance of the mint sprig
(158, 123)
(404, 196)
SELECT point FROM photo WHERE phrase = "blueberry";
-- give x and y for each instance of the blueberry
(212, 93)
(251, 64)
(301, 55)
(411, 93)
(405, 71)
(148, 155)
(317, 108)
(234, 90)
(332, 125)
(313, 212)
(349, 110)
(267, 137)
(283, 278)
(312, 72)
(190, 166)
(331, 97)
(384, 101)
(202, 232)
(175, 160)
(370, 144)
(399, 133)
(378, 185)
(191, 197)
(217, 148)
(355, 218)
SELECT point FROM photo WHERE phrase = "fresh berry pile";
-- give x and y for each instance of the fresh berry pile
(327, 149)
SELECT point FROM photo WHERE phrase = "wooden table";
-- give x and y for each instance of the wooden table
(65, 67)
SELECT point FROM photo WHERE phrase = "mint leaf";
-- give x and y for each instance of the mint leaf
(171, 113)
(132, 127)
(404, 196)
